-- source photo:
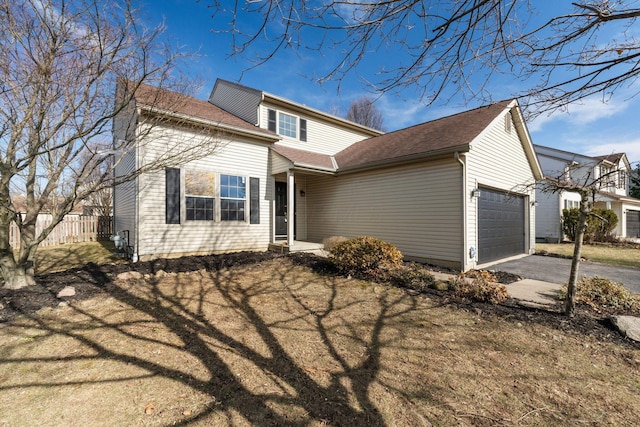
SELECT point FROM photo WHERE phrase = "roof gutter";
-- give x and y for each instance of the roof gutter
(442, 153)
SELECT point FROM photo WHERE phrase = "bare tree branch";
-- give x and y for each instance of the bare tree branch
(452, 48)
(62, 61)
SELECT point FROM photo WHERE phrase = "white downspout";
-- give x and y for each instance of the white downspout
(465, 243)
(290, 208)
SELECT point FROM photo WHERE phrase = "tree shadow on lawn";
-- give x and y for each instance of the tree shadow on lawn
(271, 343)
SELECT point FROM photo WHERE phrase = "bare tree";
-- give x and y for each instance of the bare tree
(453, 46)
(60, 65)
(579, 179)
(364, 112)
(99, 202)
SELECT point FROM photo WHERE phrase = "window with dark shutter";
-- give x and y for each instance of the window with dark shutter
(172, 214)
(303, 130)
(272, 120)
(254, 203)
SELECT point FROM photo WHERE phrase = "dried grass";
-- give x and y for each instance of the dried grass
(277, 344)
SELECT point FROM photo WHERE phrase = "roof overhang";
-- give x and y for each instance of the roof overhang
(397, 161)
(189, 119)
(301, 166)
(525, 137)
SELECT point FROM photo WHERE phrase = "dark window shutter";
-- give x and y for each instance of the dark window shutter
(272, 120)
(172, 196)
(303, 130)
(254, 204)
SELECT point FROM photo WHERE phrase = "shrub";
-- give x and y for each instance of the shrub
(479, 289)
(604, 295)
(600, 224)
(413, 276)
(480, 274)
(365, 255)
(604, 223)
(330, 242)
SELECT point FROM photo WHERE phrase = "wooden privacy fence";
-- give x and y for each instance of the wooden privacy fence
(72, 229)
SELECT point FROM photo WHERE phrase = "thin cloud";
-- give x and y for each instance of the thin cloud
(630, 147)
(587, 111)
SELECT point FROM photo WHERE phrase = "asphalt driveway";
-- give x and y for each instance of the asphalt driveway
(556, 270)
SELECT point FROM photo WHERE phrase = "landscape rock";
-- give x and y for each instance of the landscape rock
(629, 326)
(67, 291)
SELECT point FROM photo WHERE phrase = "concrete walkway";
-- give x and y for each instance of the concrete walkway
(544, 295)
(535, 293)
(532, 293)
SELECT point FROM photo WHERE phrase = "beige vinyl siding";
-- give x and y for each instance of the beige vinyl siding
(416, 207)
(322, 137)
(497, 160)
(278, 163)
(238, 157)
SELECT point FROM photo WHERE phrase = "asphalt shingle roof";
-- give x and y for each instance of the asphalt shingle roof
(305, 158)
(441, 135)
(176, 102)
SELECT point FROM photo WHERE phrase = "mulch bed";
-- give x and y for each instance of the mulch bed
(94, 280)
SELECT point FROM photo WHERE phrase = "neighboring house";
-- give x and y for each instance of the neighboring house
(455, 191)
(611, 175)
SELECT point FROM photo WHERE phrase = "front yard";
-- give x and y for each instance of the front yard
(625, 255)
(279, 342)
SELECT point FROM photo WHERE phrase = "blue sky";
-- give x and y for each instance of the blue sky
(591, 127)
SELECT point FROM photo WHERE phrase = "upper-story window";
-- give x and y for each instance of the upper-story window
(606, 177)
(622, 179)
(287, 125)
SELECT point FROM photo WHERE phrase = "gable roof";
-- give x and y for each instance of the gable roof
(166, 102)
(306, 159)
(569, 156)
(611, 158)
(441, 136)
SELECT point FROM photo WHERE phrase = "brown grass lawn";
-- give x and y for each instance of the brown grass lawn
(71, 255)
(275, 343)
(625, 256)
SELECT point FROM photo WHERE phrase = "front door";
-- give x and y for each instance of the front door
(281, 210)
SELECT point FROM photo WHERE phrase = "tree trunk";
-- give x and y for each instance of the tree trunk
(570, 302)
(16, 276)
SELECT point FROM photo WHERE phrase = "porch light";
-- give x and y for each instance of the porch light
(302, 193)
(475, 193)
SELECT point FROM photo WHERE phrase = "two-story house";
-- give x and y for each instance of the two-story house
(455, 191)
(608, 173)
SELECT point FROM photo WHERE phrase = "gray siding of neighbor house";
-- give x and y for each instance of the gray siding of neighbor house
(497, 160)
(238, 157)
(124, 195)
(238, 100)
(548, 217)
(416, 207)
